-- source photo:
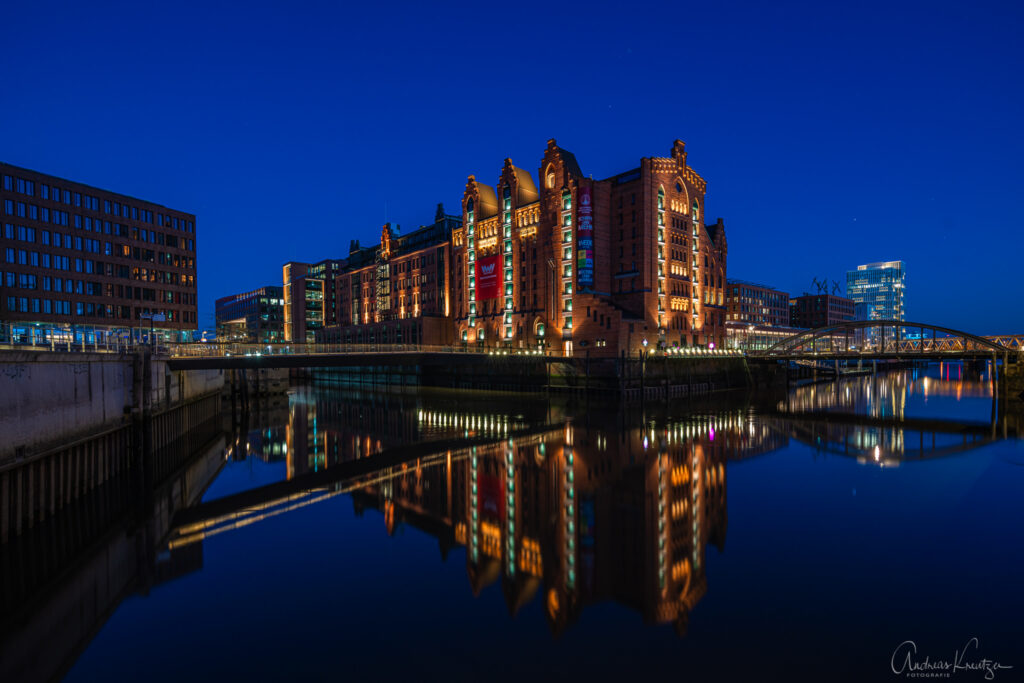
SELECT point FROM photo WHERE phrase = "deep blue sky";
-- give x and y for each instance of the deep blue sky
(830, 134)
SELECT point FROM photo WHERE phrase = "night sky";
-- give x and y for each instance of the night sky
(831, 134)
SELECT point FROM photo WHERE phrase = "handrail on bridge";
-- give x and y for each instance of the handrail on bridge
(234, 349)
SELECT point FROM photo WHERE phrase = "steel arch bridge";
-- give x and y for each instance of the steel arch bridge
(892, 339)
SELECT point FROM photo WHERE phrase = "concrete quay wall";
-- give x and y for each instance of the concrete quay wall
(51, 398)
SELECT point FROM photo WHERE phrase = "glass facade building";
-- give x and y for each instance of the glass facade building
(879, 289)
(256, 316)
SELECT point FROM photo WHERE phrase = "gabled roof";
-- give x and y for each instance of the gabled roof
(487, 198)
(526, 189)
(715, 229)
(571, 164)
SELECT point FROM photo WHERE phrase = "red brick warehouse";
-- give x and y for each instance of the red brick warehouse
(581, 265)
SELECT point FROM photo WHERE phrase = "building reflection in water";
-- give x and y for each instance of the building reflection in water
(866, 417)
(550, 504)
(886, 394)
(579, 515)
(571, 514)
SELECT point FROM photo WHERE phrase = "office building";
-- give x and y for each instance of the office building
(819, 310)
(601, 267)
(82, 264)
(881, 286)
(754, 337)
(309, 303)
(755, 304)
(256, 316)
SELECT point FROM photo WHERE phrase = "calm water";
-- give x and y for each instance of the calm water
(370, 537)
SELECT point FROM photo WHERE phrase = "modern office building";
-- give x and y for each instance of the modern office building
(590, 266)
(81, 263)
(818, 310)
(397, 292)
(309, 302)
(755, 304)
(863, 311)
(881, 286)
(256, 316)
(754, 337)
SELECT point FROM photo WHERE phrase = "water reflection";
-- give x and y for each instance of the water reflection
(566, 505)
(561, 506)
(889, 418)
(899, 394)
(572, 512)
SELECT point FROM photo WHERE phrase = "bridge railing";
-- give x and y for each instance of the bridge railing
(216, 350)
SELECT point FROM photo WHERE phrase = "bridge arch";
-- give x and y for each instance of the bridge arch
(808, 340)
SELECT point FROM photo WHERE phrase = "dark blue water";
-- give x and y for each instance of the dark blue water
(720, 539)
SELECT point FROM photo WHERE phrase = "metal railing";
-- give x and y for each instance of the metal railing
(211, 350)
(17, 336)
(229, 349)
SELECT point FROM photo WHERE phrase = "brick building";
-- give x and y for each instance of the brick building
(397, 292)
(581, 265)
(818, 310)
(83, 263)
(256, 316)
(755, 304)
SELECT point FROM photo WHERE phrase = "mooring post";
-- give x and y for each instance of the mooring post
(142, 426)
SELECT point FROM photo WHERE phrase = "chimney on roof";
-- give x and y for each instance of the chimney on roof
(679, 150)
(353, 246)
(439, 214)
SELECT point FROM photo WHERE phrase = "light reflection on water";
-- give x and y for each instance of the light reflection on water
(589, 540)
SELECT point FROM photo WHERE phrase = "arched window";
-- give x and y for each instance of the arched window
(549, 177)
(696, 212)
(661, 199)
(679, 186)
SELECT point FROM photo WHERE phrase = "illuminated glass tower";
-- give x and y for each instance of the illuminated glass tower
(880, 287)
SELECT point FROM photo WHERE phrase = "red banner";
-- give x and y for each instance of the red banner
(490, 497)
(488, 280)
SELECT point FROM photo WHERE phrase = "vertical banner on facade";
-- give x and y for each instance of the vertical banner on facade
(585, 240)
(488, 280)
(490, 497)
